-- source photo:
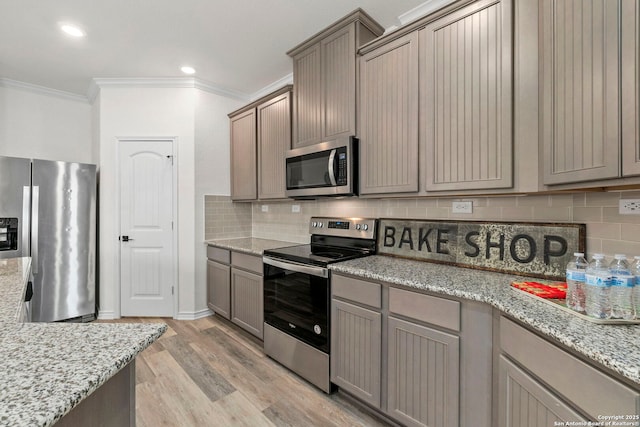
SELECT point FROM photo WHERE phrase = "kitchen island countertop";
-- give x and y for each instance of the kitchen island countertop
(617, 347)
(249, 245)
(49, 368)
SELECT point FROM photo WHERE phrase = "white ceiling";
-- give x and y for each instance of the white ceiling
(238, 45)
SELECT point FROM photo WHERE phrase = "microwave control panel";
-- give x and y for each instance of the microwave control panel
(341, 153)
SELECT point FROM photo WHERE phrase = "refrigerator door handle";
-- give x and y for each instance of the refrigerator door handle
(26, 202)
(34, 229)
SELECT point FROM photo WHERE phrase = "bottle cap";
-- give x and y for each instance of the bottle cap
(578, 254)
(620, 256)
(598, 256)
(636, 257)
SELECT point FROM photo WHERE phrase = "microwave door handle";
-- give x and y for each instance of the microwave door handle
(332, 172)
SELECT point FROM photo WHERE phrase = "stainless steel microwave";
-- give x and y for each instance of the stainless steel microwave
(323, 169)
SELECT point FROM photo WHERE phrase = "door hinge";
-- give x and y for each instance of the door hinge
(172, 225)
(171, 159)
(171, 290)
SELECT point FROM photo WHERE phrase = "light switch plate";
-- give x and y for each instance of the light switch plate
(462, 207)
(629, 207)
(265, 208)
(295, 208)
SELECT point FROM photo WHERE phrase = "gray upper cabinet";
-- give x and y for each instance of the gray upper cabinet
(466, 76)
(307, 126)
(274, 139)
(580, 89)
(260, 135)
(388, 127)
(324, 74)
(243, 156)
(630, 55)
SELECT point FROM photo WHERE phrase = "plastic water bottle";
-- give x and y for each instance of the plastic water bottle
(635, 270)
(575, 282)
(597, 288)
(621, 288)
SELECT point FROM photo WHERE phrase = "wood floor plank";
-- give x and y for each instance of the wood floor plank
(212, 384)
(208, 372)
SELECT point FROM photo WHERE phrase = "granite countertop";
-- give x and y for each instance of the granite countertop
(614, 346)
(48, 368)
(249, 245)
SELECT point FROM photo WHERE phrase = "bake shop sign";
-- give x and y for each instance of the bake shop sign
(524, 248)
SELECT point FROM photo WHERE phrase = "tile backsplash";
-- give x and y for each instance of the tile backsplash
(607, 230)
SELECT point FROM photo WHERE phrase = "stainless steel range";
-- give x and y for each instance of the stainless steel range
(297, 293)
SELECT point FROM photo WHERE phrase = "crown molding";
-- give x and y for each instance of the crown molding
(41, 90)
(164, 82)
(286, 80)
(422, 10)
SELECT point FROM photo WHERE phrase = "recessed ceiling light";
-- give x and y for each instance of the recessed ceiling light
(188, 70)
(72, 30)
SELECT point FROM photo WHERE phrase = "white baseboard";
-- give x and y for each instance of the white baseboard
(194, 315)
(107, 315)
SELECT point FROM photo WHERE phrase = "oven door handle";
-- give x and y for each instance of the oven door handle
(298, 268)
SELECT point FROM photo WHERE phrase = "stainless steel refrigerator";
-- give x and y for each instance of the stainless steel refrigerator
(48, 212)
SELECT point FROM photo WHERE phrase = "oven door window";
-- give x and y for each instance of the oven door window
(297, 304)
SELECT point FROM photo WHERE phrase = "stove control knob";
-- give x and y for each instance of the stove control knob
(320, 224)
(357, 226)
(314, 224)
(365, 227)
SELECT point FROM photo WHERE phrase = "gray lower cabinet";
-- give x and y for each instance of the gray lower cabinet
(247, 301)
(523, 401)
(573, 390)
(355, 350)
(423, 375)
(234, 288)
(385, 352)
(219, 288)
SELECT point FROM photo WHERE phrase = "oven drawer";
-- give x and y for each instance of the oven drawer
(425, 308)
(359, 291)
(247, 262)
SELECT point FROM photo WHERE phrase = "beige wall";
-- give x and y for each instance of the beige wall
(607, 231)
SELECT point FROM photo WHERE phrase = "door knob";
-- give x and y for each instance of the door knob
(125, 238)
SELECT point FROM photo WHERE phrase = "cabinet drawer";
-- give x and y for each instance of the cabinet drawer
(357, 290)
(425, 308)
(247, 262)
(588, 388)
(218, 254)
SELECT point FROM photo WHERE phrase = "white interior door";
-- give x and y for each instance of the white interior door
(146, 235)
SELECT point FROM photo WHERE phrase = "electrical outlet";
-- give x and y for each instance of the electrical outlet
(629, 207)
(462, 207)
(265, 208)
(295, 208)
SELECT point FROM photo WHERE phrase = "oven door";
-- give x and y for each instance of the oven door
(296, 301)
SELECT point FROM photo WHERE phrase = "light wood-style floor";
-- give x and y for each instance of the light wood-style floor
(207, 372)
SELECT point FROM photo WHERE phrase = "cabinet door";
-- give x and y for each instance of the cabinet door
(423, 375)
(218, 288)
(355, 350)
(524, 402)
(630, 45)
(274, 139)
(389, 118)
(466, 98)
(247, 301)
(307, 107)
(243, 156)
(580, 90)
(338, 55)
